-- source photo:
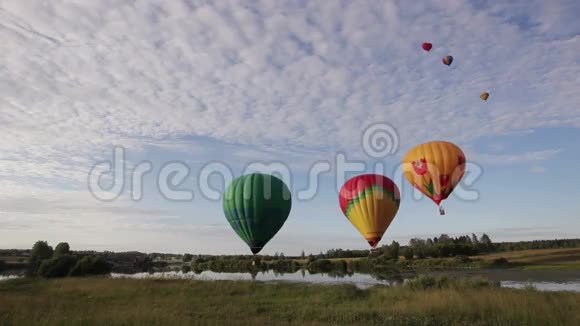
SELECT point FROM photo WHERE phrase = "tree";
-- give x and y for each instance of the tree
(443, 238)
(419, 247)
(41, 250)
(485, 239)
(408, 253)
(185, 269)
(420, 253)
(187, 258)
(485, 242)
(302, 255)
(468, 240)
(474, 239)
(385, 250)
(394, 250)
(61, 249)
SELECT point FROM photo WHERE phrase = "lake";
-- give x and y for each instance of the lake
(8, 277)
(541, 280)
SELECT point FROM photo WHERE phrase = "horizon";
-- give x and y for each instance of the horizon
(175, 99)
(282, 253)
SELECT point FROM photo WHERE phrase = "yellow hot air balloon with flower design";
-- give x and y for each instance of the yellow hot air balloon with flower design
(435, 168)
(370, 202)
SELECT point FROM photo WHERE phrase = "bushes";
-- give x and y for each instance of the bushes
(475, 283)
(57, 266)
(500, 262)
(2, 265)
(423, 282)
(462, 259)
(61, 262)
(320, 265)
(281, 266)
(90, 265)
(229, 265)
(327, 266)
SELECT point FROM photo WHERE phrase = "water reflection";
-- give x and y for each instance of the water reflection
(9, 277)
(514, 279)
(540, 280)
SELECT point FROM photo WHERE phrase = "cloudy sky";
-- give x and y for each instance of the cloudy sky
(222, 85)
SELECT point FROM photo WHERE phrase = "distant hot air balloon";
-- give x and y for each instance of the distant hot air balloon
(484, 96)
(427, 46)
(256, 206)
(370, 202)
(435, 168)
(448, 60)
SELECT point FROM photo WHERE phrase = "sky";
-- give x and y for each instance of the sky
(194, 93)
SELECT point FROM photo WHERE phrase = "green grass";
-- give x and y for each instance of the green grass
(555, 266)
(537, 256)
(539, 259)
(425, 282)
(102, 301)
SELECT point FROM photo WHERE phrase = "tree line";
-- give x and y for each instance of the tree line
(446, 246)
(61, 261)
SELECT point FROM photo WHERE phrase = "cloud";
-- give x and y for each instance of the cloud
(272, 75)
(299, 81)
(527, 157)
(537, 169)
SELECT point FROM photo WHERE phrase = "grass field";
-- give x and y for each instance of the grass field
(540, 258)
(562, 259)
(102, 301)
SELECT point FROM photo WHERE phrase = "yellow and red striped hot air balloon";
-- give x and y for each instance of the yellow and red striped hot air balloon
(370, 202)
(435, 168)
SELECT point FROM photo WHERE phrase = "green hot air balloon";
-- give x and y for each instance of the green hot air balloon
(256, 206)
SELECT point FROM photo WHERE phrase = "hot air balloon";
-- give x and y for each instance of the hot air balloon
(256, 206)
(427, 46)
(484, 96)
(435, 168)
(370, 202)
(448, 60)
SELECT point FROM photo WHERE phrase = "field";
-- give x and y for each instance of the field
(540, 258)
(105, 301)
(561, 259)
